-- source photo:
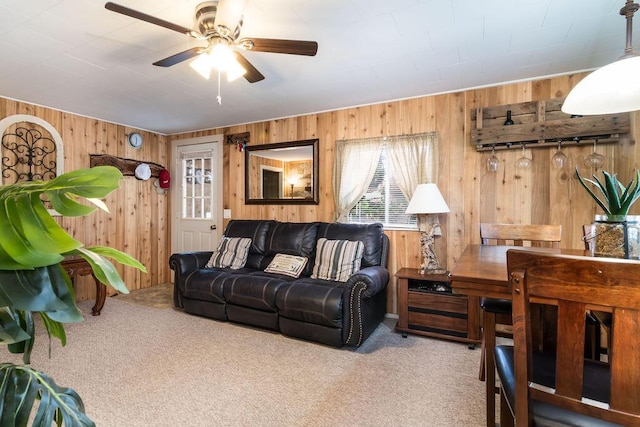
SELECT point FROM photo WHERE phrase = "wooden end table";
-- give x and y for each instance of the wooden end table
(78, 266)
(428, 307)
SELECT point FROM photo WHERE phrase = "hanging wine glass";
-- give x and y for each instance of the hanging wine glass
(524, 162)
(559, 159)
(594, 160)
(492, 161)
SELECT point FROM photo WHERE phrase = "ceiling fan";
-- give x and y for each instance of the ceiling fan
(219, 23)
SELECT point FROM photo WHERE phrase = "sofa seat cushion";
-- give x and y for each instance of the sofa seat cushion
(206, 284)
(595, 387)
(257, 291)
(312, 301)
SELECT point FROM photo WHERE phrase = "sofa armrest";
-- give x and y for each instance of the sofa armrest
(187, 262)
(375, 279)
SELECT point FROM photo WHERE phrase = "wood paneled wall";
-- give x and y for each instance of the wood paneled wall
(139, 222)
(540, 195)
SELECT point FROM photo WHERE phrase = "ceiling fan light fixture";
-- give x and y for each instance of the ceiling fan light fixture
(229, 15)
(202, 64)
(235, 71)
(614, 88)
(221, 56)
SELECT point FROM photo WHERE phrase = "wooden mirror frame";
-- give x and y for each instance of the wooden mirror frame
(312, 200)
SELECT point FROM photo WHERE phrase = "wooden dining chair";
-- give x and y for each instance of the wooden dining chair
(498, 311)
(564, 388)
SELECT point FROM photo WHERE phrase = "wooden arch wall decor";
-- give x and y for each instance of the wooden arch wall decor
(26, 153)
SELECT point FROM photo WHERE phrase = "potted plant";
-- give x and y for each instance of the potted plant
(32, 283)
(615, 234)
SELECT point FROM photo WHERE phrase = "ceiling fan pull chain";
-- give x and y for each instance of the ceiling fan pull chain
(219, 97)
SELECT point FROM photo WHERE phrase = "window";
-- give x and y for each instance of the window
(197, 200)
(374, 178)
(383, 202)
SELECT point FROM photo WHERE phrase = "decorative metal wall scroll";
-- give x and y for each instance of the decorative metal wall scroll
(27, 155)
(31, 150)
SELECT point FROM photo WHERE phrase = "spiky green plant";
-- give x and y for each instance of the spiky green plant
(615, 198)
(32, 282)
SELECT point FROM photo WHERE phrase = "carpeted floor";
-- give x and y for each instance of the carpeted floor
(140, 365)
(160, 296)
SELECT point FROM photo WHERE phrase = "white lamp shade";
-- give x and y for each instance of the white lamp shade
(427, 199)
(614, 88)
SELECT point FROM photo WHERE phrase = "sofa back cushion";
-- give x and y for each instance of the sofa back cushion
(293, 238)
(337, 260)
(258, 232)
(232, 253)
(369, 234)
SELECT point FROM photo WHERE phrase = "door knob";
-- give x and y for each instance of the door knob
(213, 227)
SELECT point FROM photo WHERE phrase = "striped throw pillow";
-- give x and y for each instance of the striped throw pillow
(337, 259)
(232, 253)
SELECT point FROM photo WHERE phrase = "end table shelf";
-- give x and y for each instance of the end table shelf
(426, 306)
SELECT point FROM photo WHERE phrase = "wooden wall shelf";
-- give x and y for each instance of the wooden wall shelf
(126, 166)
(543, 124)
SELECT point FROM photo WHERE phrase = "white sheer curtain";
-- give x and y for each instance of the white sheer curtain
(355, 164)
(413, 160)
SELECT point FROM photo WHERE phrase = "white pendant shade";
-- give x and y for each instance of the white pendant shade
(427, 199)
(614, 88)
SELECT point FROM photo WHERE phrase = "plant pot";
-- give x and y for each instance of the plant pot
(616, 237)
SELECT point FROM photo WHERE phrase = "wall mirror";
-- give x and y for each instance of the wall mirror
(282, 173)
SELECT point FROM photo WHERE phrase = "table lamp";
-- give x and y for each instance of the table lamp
(427, 200)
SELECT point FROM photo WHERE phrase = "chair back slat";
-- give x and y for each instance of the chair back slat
(536, 235)
(570, 362)
(625, 370)
(575, 284)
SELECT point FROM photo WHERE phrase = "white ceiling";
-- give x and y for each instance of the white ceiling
(76, 56)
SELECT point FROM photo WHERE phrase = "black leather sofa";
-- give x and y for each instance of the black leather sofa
(328, 312)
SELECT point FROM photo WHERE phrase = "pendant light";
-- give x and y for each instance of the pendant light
(614, 88)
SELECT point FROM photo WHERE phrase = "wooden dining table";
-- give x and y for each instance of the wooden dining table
(481, 271)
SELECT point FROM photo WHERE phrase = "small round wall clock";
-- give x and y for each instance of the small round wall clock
(135, 139)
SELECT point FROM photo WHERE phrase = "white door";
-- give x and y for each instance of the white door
(196, 201)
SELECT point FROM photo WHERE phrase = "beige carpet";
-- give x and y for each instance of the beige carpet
(136, 365)
(160, 296)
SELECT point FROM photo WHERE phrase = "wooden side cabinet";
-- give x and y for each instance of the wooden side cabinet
(426, 306)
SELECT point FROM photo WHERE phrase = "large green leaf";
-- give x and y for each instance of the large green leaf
(103, 269)
(22, 386)
(11, 330)
(44, 289)
(30, 237)
(39, 228)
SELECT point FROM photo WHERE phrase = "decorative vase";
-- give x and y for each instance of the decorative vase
(616, 236)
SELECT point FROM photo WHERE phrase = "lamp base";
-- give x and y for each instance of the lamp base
(429, 258)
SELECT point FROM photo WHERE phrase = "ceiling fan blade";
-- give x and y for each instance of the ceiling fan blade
(148, 18)
(252, 75)
(179, 57)
(292, 47)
